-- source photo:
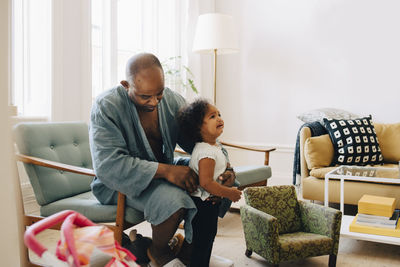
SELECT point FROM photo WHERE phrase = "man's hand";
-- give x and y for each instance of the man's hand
(227, 178)
(183, 176)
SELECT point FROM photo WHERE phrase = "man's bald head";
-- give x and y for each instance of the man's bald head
(140, 62)
(144, 81)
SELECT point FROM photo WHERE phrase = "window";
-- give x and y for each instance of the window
(122, 28)
(31, 57)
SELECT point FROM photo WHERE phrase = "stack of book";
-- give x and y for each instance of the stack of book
(379, 221)
(377, 215)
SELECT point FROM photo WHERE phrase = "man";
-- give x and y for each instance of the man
(133, 134)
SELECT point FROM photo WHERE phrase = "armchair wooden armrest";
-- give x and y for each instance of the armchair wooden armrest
(265, 150)
(119, 222)
(54, 165)
(181, 151)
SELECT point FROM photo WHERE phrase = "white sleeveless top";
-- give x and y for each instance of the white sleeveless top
(204, 150)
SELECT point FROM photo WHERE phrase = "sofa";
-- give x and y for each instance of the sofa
(316, 159)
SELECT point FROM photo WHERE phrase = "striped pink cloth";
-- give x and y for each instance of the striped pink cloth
(77, 244)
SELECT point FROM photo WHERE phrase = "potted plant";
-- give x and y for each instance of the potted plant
(177, 76)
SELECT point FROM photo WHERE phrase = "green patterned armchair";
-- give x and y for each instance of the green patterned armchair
(279, 227)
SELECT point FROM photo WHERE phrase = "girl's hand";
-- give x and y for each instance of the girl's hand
(234, 194)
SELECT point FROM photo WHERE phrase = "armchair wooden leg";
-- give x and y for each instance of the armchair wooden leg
(332, 260)
(120, 221)
(248, 253)
(118, 235)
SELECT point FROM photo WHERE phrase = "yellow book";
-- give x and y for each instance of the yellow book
(354, 227)
(376, 205)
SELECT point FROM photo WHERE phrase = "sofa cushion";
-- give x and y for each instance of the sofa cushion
(354, 141)
(318, 151)
(247, 175)
(389, 141)
(294, 246)
(320, 172)
(86, 203)
(313, 188)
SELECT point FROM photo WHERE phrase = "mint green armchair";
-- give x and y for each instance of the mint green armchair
(279, 227)
(58, 162)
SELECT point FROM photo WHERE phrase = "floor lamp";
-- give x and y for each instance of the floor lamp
(215, 33)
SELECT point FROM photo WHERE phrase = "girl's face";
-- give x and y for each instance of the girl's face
(213, 124)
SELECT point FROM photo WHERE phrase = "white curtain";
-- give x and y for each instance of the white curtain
(31, 57)
(122, 28)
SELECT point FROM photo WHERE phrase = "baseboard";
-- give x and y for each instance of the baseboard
(280, 178)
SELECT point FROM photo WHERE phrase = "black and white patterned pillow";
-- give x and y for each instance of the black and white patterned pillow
(354, 141)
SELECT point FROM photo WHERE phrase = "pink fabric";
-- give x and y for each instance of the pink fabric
(77, 244)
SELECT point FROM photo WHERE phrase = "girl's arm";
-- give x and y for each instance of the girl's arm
(206, 180)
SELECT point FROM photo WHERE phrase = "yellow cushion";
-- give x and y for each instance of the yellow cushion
(389, 141)
(318, 151)
(320, 172)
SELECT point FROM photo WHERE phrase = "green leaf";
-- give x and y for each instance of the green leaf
(176, 75)
(188, 70)
(194, 89)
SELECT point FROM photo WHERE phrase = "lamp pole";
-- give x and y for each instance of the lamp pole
(215, 76)
(215, 34)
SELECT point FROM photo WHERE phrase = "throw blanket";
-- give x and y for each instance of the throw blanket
(316, 129)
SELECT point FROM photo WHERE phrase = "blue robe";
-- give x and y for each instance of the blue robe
(124, 161)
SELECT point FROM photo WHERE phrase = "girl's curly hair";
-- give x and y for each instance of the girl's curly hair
(190, 118)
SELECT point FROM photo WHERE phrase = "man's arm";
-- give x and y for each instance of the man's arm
(112, 162)
(181, 176)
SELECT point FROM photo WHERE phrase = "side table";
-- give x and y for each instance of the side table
(366, 174)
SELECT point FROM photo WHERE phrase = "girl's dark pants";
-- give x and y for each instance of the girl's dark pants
(205, 225)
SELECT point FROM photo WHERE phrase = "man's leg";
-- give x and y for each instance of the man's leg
(161, 235)
(161, 198)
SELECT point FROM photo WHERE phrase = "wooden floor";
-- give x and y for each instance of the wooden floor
(230, 244)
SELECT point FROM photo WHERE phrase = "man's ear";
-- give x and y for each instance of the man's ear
(125, 84)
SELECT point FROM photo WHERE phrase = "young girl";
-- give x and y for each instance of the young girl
(202, 123)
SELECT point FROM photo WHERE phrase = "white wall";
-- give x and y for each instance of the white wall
(300, 55)
(294, 56)
(10, 232)
(72, 92)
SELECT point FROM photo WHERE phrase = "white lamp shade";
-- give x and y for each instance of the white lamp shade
(215, 31)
